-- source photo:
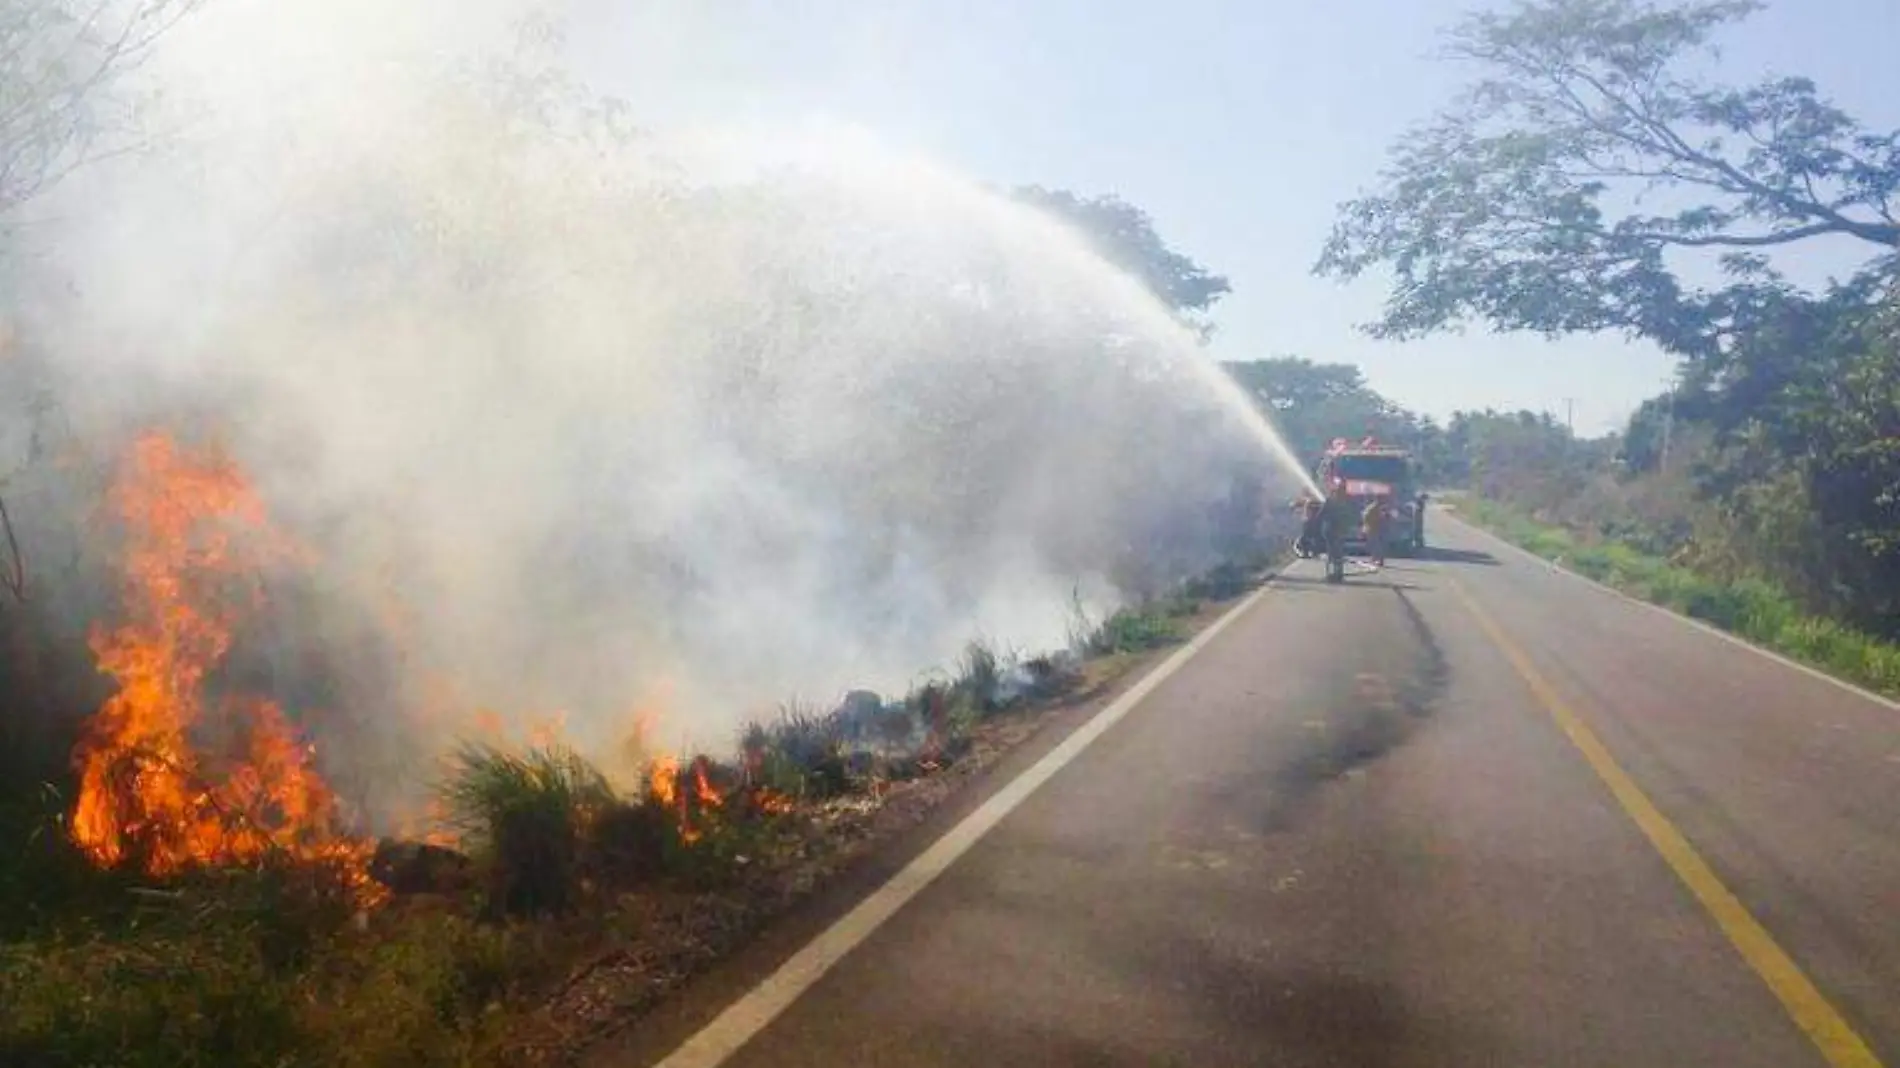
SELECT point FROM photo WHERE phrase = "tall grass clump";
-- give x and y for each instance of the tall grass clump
(526, 813)
(803, 753)
(979, 677)
(1082, 627)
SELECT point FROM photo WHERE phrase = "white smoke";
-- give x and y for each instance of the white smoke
(604, 413)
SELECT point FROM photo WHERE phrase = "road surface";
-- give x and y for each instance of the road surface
(1469, 811)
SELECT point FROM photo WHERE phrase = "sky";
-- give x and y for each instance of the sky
(1239, 125)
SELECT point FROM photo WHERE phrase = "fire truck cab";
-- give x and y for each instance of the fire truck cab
(1370, 470)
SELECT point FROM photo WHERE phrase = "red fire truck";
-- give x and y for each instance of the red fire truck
(1370, 470)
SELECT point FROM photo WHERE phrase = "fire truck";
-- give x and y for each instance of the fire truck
(1370, 469)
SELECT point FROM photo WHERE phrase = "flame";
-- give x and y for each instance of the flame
(196, 541)
(693, 803)
(488, 722)
(703, 791)
(664, 778)
(430, 822)
(544, 731)
(689, 791)
(773, 803)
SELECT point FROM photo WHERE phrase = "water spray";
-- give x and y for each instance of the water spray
(598, 411)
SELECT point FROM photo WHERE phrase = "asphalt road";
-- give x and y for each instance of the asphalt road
(1362, 827)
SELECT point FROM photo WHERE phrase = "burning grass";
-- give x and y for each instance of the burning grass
(231, 917)
(194, 544)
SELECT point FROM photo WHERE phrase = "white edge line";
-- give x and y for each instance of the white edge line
(1733, 639)
(736, 1025)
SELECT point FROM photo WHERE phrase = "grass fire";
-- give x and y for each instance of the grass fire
(195, 543)
(356, 485)
(475, 938)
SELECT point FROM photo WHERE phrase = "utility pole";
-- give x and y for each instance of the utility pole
(1570, 416)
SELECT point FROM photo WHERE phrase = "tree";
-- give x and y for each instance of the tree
(59, 59)
(1125, 236)
(1809, 476)
(1526, 458)
(1517, 206)
(1643, 438)
(1313, 403)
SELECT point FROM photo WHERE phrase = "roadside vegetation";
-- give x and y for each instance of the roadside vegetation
(564, 904)
(552, 902)
(1761, 493)
(1749, 608)
(1761, 490)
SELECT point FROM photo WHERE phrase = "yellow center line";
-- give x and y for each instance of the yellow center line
(1811, 1011)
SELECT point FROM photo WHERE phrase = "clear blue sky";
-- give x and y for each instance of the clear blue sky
(1238, 124)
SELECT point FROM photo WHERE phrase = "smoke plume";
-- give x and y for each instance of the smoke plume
(579, 416)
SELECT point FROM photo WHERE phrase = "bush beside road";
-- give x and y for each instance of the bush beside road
(1750, 608)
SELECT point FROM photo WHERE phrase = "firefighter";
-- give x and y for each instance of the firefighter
(1337, 518)
(1377, 518)
(1312, 537)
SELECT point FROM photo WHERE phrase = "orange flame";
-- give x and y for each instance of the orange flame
(773, 803)
(544, 731)
(196, 538)
(692, 803)
(488, 722)
(664, 778)
(703, 791)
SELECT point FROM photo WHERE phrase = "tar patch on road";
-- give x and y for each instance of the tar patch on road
(1392, 679)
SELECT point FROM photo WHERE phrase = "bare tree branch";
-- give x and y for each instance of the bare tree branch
(58, 61)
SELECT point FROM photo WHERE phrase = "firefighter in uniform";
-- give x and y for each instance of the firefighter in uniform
(1312, 536)
(1338, 518)
(1378, 517)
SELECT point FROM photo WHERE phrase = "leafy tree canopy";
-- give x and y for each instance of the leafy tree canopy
(1313, 403)
(1519, 206)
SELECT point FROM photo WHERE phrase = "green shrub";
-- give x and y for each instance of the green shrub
(195, 983)
(422, 995)
(1749, 607)
(1881, 664)
(526, 813)
(185, 999)
(1133, 630)
(1180, 606)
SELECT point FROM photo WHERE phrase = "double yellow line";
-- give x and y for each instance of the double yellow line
(1804, 1002)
